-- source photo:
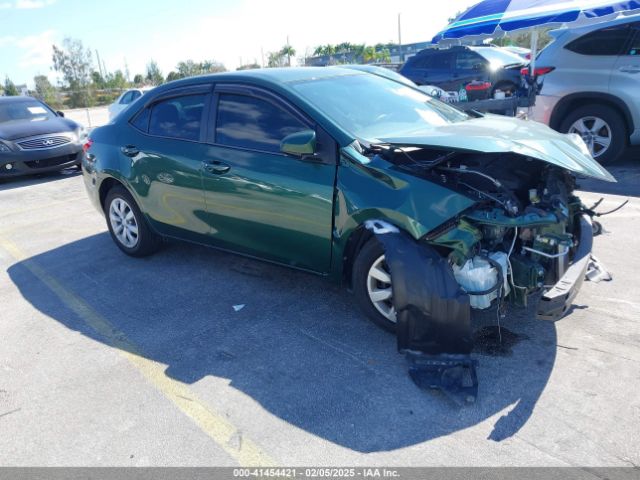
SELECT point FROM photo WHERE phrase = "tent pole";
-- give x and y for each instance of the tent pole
(532, 64)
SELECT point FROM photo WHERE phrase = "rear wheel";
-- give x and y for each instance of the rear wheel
(602, 129)
(372, 286)
(127, 225)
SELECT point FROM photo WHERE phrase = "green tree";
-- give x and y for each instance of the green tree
(75, 64)
(117, 80)
(369, 54)
(97, 80)
(288, 51)
(10, 89)
(154, 75)
(275, 59)
(45, 91)
(138, 80)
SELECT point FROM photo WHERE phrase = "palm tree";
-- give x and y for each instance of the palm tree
(288, 50)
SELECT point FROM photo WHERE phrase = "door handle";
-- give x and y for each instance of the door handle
(630, 69)
(215, 167)
(130, 150)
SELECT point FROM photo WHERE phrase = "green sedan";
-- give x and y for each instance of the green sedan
(311, 167)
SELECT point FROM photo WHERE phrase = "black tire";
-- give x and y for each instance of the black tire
(148, 242)
(612, 118)
(368, 254)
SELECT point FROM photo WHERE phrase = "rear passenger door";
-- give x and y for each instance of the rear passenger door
(625, 79)
(468, 66)
(165, 148)
(260, 201)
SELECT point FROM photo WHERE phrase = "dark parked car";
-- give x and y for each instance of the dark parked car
(311, 167)
(36, 139)
(454, 67)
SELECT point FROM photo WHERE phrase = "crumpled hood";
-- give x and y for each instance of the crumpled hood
(25, 128)
(495, 134)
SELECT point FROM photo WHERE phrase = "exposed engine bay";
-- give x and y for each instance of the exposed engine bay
(519, 237)
(525, 242)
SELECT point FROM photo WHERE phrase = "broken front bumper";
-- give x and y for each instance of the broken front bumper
(555, 303)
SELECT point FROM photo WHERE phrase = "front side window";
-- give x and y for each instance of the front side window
(607, 41)
(178, 117)
(254, 123)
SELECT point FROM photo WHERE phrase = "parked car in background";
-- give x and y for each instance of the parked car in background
(591, 85)
(454, 67)
(523, 53)
(126, 99)
(35, 139)
(305, 166)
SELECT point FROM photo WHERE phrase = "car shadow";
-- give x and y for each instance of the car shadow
(9, 183)
(298, 346)
(627, 173)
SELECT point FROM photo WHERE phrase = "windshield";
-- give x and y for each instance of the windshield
(30, 110)
(371, 107)
(498, 56)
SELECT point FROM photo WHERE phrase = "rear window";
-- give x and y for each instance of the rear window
(179, 117)
(607, 41)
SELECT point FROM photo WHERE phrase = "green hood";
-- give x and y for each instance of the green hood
(495, 134)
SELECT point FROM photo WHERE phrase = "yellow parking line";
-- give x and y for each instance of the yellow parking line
(221, 431)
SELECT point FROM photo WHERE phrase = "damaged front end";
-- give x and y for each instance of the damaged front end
(524, 243)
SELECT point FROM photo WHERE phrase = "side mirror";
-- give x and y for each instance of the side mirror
(59, 113)
(299, 144)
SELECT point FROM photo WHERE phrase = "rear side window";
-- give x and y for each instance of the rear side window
(250, 122)
(608, 41)
(468, 60)
(178, 117)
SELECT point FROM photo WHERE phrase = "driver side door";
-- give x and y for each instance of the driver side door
(260, 201)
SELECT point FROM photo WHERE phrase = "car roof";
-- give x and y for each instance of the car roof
(264, 75)
(581, 30)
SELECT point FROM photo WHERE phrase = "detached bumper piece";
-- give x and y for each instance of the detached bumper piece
(434, 318)
(555, 303)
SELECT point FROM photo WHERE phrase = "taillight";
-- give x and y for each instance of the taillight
(471, 87)
(87, 145)
(538, 71)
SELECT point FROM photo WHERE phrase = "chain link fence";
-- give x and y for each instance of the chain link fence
(88, 117)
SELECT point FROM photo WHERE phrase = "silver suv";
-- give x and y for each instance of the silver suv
(591, 85)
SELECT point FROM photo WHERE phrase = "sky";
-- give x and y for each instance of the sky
(131, 33)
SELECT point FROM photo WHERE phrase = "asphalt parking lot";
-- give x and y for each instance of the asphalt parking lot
(112, 361)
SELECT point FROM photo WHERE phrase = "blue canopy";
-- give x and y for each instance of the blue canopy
(491, 17)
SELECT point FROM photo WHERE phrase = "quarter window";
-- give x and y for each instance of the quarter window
(250, 122)
(468, 60)
(178, 117)
(608, 41)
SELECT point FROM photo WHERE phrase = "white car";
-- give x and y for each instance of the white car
(124, 100)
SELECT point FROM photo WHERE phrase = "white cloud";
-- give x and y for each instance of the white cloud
(35, 50)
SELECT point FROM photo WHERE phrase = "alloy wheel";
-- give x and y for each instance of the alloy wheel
(380, 290)
(123, 222)
(595, 132)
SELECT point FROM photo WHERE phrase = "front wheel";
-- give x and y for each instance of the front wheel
(372, 286)
(127, 225)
